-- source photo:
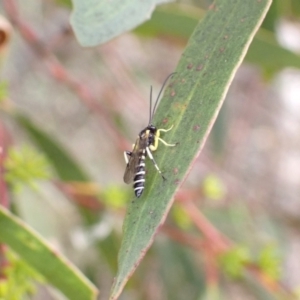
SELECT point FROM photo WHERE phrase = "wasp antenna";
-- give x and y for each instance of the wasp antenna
(150, 114)
(157, 99)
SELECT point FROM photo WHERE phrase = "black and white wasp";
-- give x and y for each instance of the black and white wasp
(146, 143)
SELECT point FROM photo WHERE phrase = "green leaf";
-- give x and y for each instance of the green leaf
(47, 261)
(20, 279)
(265, 51)
(173, 20)
(288, 8)
(191, 103)
(272, 16)
(98, 21)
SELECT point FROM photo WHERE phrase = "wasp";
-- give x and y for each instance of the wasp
(146, 143)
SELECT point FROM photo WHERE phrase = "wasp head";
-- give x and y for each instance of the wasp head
(152, 128)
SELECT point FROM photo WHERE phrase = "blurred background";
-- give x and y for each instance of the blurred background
(68, 113)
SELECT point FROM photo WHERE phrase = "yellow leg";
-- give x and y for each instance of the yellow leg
(157, 138)
(164, 130)
(165, 143)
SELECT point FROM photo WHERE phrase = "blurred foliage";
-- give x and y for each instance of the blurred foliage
(213, 187)
(66, 3)
(19, 279)
(24, 166)
(180, 217)
(115, 197)
(65, 166)
(234, 261)
(270, 261)
(3, 90)
(179, 276)
(213, 292)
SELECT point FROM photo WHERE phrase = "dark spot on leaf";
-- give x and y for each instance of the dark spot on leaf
(199, 68)
(190, 66)
(176, 181)
(198, 142)
(173, 93)
(196, 127)
(180, 106)
(132, 201)
(213, 7)
(222, 49)
(165, 121)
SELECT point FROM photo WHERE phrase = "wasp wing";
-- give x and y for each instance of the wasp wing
(132, 163)
(132, 167)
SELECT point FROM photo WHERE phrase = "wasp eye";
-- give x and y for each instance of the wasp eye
(152, 127)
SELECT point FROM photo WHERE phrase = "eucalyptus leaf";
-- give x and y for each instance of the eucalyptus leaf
(47, 261)
(265, 51)
(191, 104)
(98, 21)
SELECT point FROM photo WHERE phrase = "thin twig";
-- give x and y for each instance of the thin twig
(183, 238)
(220, 243)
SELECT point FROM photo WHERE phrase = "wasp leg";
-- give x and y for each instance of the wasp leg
(154, 162)
(154, 147)
(126, 154)
(164, 130)
(165, 143)
(157, 138)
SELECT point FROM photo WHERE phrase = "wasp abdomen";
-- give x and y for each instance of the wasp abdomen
(139, 178)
